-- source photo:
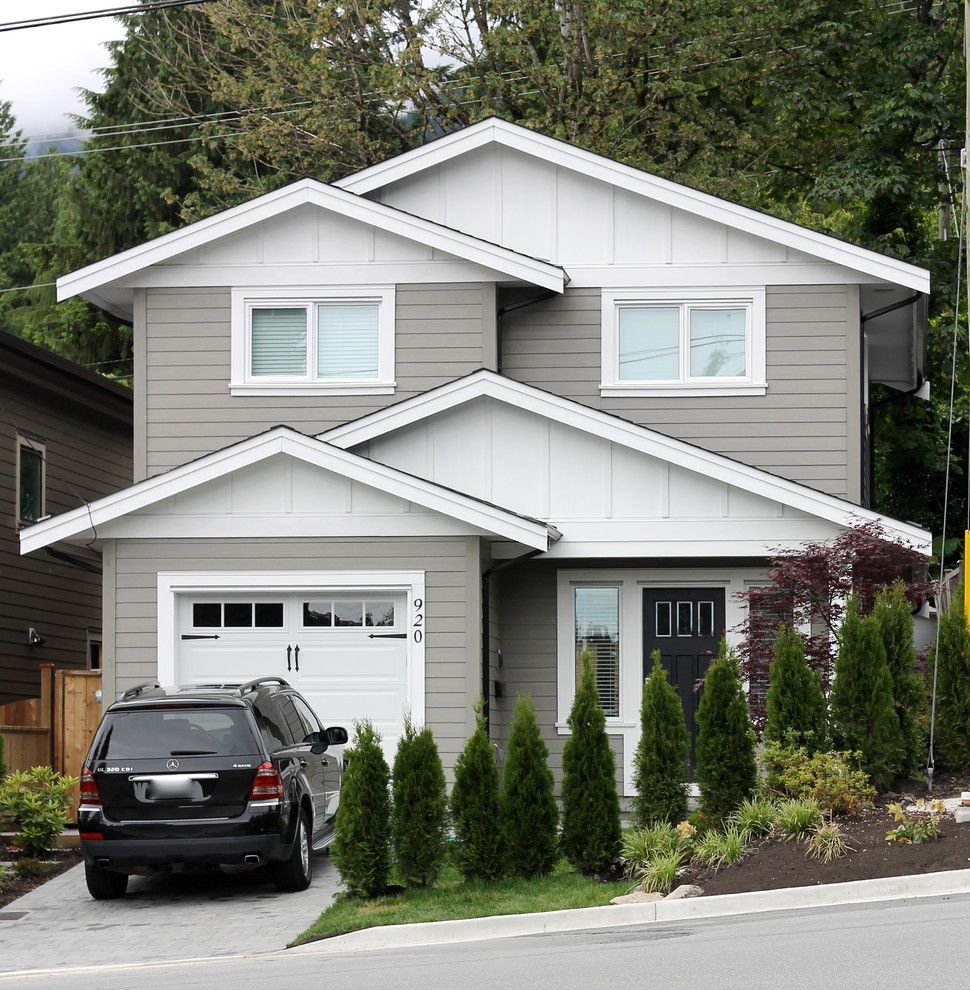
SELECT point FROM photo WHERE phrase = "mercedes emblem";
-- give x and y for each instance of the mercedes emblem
(172, 765)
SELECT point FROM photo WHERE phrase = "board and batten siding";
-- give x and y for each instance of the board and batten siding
(452, 606)
(806, 428)
(182, 363)
(527, 605)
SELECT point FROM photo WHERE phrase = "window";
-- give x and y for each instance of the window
(352, 613)
(237, 615)
(597, 612)
(768, 607)
(336, 341)
(712, 343)
(31, 478)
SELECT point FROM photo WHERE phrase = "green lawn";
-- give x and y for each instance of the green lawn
(452, 898)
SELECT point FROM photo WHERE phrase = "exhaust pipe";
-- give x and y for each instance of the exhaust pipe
(251, 859)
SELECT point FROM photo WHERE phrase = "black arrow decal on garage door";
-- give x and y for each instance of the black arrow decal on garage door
(199, 636)
(388, 636)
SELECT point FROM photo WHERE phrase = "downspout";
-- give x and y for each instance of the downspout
(500, 313)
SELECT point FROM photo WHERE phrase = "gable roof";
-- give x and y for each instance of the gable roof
(86, 281)
(574, 414)
(284, 440)
(494, 130)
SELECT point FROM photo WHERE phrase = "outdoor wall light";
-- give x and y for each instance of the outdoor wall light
(34, 638)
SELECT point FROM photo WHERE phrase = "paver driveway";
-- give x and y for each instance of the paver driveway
(161, 917)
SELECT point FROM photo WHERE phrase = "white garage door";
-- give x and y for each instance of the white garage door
(345, 652)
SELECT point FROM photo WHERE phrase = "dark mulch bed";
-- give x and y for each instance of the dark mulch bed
(13, 886)
(773, 863)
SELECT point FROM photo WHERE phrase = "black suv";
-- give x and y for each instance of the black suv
(206, 776)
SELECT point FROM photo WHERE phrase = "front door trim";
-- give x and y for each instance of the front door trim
(172, 584)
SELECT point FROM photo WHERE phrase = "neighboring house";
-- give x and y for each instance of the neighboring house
(65, 436)
(531, 400)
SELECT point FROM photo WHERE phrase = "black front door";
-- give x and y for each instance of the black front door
(686, 625)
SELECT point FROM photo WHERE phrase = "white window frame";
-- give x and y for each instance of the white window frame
(244, 301)
(751, 298)
(37, 447)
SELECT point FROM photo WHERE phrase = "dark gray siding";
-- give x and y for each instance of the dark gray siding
(443, 332)
(807, 426)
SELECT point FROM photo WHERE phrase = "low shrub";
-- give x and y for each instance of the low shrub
(28, 867)
(920, 826)
(717, 849)
(640, 845)
(756, 816)
(835, 781)
(797, 817)
(35, 803)
(658, 874)
(827, 841)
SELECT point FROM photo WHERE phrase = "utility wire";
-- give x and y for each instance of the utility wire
(90, 15)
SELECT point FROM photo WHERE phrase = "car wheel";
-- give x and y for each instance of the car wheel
(104, 885)
(296, 871)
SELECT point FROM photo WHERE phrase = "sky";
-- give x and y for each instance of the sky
(41, 67)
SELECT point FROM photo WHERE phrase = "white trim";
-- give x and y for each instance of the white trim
(326, 197)
(494, 130)
(576, 415)
(751, 298)
(243, 301)
(171, 584)
(283, 440)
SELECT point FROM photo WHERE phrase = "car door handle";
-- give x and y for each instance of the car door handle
(289, 653)
(304, 764)
(296, 657)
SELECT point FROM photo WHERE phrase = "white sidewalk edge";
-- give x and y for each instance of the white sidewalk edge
(625, 915)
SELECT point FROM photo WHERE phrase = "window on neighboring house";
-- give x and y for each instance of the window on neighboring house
(597, 617)
(337, 341)
(709, 344)
(31, 479)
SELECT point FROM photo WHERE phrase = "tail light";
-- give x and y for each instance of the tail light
(89, 788)
(267, 784)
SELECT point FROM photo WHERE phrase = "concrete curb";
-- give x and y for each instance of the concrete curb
(627, 915)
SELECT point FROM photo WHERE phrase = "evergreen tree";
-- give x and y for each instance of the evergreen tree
(529, 815)
(590, 804)
(361, 847)
(725, 739)
(863, 714)
(660, 764)
(420, 807)
(951, 653)
(795, 704)
(895, 617)
(475, 808)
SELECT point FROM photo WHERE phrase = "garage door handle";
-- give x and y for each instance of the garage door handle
(388, 636)
(289, 653)
(296, 657)
(198, 636)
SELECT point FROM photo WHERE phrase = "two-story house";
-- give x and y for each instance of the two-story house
(65, 436)
(432, 430)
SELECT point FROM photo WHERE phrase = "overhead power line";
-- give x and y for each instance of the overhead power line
(90, 15)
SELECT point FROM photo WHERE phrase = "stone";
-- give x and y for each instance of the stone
(685, 890)
(637, 897)
(961, 815)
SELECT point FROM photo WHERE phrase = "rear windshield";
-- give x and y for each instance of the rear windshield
(153, 732)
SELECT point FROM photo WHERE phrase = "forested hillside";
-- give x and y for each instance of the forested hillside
(844, 116)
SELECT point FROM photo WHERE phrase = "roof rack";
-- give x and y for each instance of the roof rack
(139, 689)
(259, 681)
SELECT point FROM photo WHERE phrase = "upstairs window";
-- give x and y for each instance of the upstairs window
(340, 342)
(31, 480)
(710, 344)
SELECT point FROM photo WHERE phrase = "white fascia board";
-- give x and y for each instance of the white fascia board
(309, 191)
(282, 440)
(643, 183)
(574, 414)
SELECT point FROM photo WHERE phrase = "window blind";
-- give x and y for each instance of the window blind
(598, 630)
(347, 335)
(279, 341)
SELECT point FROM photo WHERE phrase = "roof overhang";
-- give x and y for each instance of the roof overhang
(497, 131)
(84, 521)
(647, 441)
(93, 281)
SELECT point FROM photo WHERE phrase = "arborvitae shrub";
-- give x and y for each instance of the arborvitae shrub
(863, 714)
(895, 617)
(951, 745)
(362, 848)
(529, 815)
(420, 808)
(795, 706)
(726, 769)
(475, 809)
(590, 804)
(660, 763)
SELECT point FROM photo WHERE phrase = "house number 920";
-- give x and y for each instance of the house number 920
(417, 625)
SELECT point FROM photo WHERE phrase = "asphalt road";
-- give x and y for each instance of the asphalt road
(896, 943)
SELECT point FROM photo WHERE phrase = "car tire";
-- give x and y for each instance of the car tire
(296, 871)
(104, 885)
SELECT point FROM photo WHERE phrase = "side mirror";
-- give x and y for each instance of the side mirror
(336, 735)
(314, 739)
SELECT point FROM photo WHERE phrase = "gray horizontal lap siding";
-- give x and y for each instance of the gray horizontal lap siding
(451, 592)
(189, 411)
(801, 429)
